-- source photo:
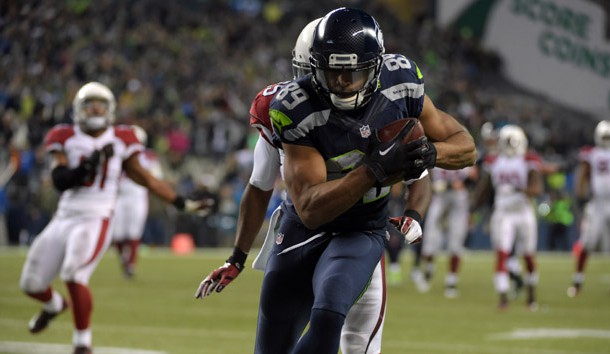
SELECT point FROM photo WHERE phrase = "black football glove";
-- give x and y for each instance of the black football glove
(108, 150)
(222, 276)
(420, 157)
(200, 207)
(86, 170)
(385, 159)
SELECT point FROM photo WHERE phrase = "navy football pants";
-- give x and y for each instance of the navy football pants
(327, 274)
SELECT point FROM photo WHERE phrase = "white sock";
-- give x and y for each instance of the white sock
(55, 304)
(83, 338)
(451, 279)
(501, 282)
(531, 278)
(513, 266)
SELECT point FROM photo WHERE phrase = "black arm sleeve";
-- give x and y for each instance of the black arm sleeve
(65, 178)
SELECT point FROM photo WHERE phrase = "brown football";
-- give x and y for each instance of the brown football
(390, 131)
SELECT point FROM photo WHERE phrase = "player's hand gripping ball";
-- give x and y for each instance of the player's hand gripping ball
(397, 152)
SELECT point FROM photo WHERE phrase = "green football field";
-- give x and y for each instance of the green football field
(156, 313)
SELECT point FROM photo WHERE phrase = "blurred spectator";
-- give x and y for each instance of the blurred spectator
(205, 232)
(183, 70)
(10, 162)
(560, 216)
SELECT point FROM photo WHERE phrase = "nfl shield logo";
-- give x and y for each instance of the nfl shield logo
(365, 131)
(279, 238)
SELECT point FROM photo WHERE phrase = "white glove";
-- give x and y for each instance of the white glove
(409, 228)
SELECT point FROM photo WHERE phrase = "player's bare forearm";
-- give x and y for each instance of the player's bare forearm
(141, 176)
(317, 200)
(456, 152)
(535, 184)
(252, 211)
(420, 193)
(161, 189)
(455, 147)
(323, 202)
(582, 180)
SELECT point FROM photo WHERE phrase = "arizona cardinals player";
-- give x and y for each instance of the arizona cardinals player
(515, 176)
(88, 159)
(447, 218)
(593, 184)
(132, 208)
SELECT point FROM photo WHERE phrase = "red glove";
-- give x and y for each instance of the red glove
(221, 277)
(409, 226)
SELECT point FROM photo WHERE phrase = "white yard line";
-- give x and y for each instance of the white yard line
(536, 333)
(50, 348)
(392, 346)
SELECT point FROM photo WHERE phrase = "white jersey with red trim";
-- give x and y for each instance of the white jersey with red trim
(259, 113)
(454, 179)
(447, 216)
(268, 150)
(97, 197)
(599, 161)
(509, 177)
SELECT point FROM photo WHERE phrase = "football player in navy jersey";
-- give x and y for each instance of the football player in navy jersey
(363, 327)
(338, 177)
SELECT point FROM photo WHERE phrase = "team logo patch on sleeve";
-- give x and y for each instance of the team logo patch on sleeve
(279, 120)
(279, 238)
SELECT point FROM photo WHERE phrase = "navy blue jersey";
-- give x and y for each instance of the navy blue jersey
(301, 116)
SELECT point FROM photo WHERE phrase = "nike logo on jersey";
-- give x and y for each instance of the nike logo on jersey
(384, 152)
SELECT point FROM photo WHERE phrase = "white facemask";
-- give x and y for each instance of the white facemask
(95, 123)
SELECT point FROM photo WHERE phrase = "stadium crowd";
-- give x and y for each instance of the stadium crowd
(186, 71)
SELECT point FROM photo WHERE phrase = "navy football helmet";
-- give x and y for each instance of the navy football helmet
(346, 57)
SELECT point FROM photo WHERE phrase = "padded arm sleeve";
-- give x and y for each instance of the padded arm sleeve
(65, 178)
(266, 165)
